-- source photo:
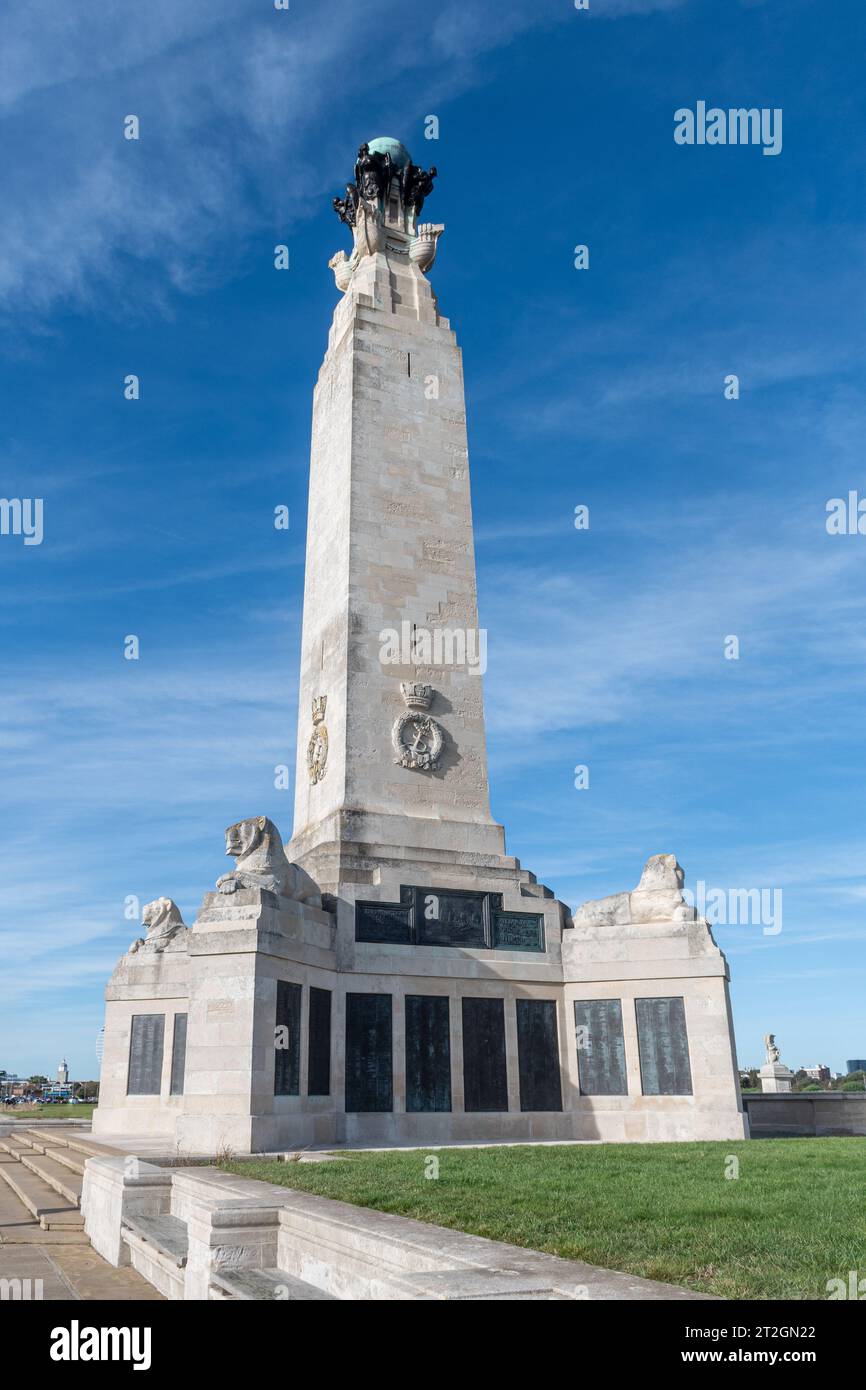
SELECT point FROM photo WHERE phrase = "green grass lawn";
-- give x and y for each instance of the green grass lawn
(23, 1114)
(793, 1219)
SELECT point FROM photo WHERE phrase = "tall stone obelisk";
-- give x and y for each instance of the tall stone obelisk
(391, 742)
(432, 991)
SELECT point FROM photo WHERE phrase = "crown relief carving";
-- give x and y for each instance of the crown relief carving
(416, 695)
(417, 739)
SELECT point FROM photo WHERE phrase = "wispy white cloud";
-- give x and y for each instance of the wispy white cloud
(122, 781)
(82, 204)
(192, 73)
(609, 642)
(594, 373)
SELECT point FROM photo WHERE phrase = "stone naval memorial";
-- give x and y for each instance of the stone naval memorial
(393, 976)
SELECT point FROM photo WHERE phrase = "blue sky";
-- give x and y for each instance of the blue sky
(603, 387)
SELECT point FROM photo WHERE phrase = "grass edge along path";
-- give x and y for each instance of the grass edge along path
(759, 1219)
(22, 1114)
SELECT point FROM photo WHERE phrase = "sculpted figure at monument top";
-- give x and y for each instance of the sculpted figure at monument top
(372, 174)
(385, 201)
(417, 185)
(345, 208)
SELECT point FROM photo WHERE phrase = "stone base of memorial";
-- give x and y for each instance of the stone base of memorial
(430, 1014)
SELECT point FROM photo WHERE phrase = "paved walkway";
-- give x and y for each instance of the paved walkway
(64, 1261)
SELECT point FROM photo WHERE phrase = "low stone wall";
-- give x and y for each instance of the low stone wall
(806, 1113)
(194, 1233)
(359, 1254)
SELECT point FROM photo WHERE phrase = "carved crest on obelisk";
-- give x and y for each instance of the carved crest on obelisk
(317, 748)
(418, 740)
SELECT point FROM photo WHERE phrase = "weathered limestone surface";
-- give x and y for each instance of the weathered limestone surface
(115, 1189)
(389, 541)
(241, 946)
(143, 982)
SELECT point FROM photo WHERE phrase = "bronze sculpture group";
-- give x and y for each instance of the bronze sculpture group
(373, 174)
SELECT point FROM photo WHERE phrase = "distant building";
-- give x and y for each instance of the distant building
(63, 1073)
(856, 1064)
(820, 1072)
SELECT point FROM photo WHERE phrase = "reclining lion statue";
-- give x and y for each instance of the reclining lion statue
(657, 898)
(163, 921)
(260, 862)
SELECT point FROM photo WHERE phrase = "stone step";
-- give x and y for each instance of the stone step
(535, 890)
(70, 1219)
(167, 1233)
(69, 1159)
(64, 1182)
(75, 1140)
(34, 1146)
(51, 1210)
(263, 1284)
(40, 1138)
(92, 1149)
(19, 1226)
(14, 1147)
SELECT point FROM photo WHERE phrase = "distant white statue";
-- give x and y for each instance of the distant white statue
(773, 1053)
(774, 1076)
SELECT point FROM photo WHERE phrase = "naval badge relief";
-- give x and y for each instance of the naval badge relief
(417, 739)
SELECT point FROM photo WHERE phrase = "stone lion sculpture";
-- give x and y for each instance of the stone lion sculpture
(657, 898)
(163, 922)
(260, 862)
